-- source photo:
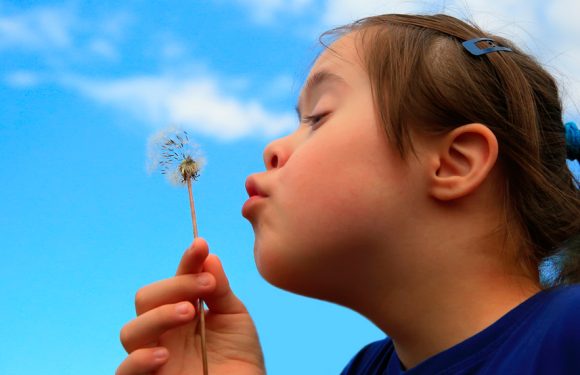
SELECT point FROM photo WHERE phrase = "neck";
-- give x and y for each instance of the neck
(431, 319)
(455, 288)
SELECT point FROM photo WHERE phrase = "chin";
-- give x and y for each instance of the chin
(273, 266)
(290, 272)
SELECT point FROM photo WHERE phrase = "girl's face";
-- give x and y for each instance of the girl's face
(334, 192)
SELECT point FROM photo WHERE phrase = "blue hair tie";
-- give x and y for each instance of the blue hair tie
(572, 141)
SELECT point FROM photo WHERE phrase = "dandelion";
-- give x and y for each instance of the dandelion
(181, 162)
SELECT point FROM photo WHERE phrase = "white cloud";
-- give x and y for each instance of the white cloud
(103, 48)
(39, 28)
(567, 71)
(264, 11)
(169, 47)
(60, 35)
(115, 25)
(22, 79)
(196, 103)
(173, 49)
(564, 15)
(488, 14)
(339, 12)
(280, 87)
(514, 19)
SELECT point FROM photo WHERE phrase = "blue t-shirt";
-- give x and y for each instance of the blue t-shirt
(540, 336)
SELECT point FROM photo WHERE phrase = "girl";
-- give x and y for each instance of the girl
(424, 187)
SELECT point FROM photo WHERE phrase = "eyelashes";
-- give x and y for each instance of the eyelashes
(315, 120)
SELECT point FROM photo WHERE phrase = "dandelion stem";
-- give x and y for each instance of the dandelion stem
(192, 208)
(199, 305)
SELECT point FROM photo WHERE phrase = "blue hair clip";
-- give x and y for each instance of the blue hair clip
(572, 141)
(471, 46)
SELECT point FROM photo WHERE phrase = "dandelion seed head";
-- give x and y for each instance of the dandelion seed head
(172, 152)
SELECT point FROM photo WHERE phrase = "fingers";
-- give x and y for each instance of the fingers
(146, 329)
(193, 258)
(143, 361)
(221, 300)
(178, 288)
(167, 304)
(188, 285)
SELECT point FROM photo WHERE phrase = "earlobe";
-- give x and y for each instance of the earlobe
(464, 158)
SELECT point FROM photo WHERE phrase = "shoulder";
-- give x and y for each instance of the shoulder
(565, 294)
(560, 315)
(541, 336)
(551, 340)
(371, 359)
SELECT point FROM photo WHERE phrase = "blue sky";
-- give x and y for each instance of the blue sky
(84, 84)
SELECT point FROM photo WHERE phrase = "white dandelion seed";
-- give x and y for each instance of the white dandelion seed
(172, 152)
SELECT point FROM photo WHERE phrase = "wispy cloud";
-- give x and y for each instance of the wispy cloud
(115, 25)
(515, 13)
(103, 48)
(170, 48)
(22, 79)
(339, 12)
(206, 104)
(200, 102)
(39, 28)
(265, 11)
(195, 103)
(563, 15)
(60, 33)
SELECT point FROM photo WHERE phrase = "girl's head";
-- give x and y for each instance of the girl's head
(390, 87)
(424, 80)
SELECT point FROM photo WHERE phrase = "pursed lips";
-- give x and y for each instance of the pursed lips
(255, 194)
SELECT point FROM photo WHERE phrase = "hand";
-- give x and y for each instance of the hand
(163, 340)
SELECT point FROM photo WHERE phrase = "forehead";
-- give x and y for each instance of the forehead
(339, 62)
(340, 55)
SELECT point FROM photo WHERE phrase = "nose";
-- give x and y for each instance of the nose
(276, 153)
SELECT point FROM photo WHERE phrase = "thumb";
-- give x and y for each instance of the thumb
(193, 258)
(222, 300)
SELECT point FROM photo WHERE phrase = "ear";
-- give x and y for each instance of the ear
(462, 160)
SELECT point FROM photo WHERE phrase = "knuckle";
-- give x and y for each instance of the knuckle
(132, 364)
(125, 337)
(140, 300)
(165, 315)
(140, 359)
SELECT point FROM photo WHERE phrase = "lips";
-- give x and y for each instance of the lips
(253, 189)
(256, 195)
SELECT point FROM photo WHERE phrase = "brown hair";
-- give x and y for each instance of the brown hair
(421, 75)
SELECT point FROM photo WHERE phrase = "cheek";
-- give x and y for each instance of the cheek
(341, 183)
(323, 212)
(320, 194)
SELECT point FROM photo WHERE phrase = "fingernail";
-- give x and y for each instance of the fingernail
(203, 279)
(183, 308)
(160, 354)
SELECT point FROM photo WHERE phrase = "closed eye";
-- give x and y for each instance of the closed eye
(315, 120)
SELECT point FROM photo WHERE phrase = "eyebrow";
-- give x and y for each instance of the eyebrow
(316, 80)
